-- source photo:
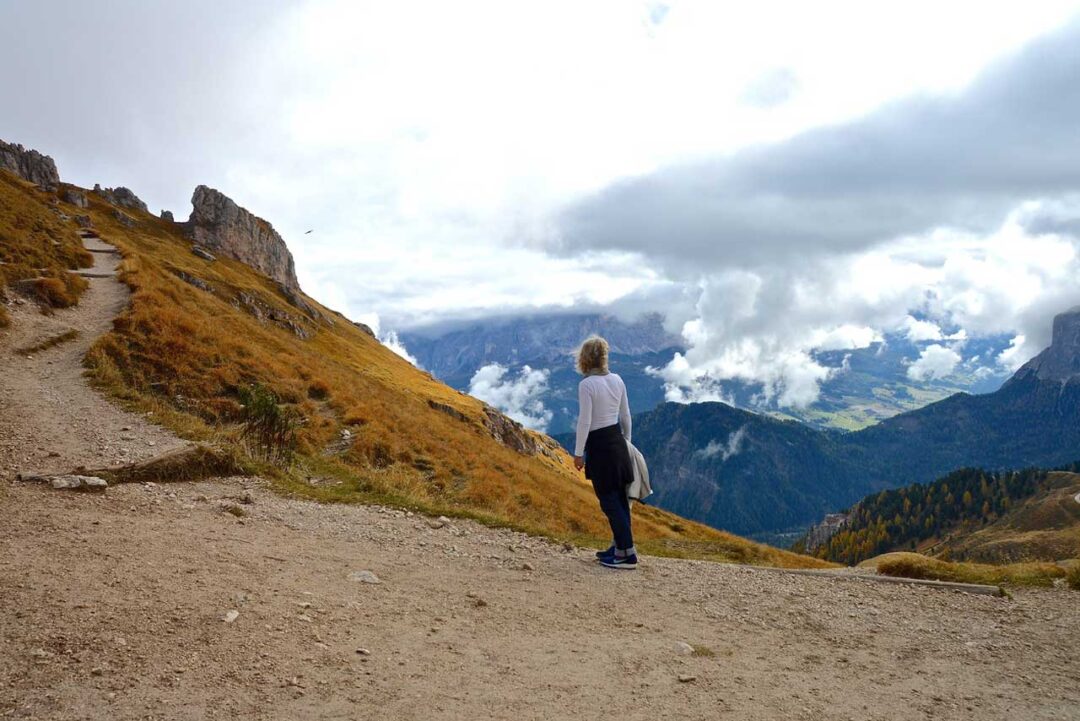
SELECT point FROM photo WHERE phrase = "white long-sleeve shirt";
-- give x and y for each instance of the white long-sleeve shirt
(602, 401)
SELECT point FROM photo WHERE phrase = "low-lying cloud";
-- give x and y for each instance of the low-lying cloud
(729, 448)
(935, 361)
(520, 397)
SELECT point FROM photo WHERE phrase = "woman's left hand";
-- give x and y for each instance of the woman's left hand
(579, 462)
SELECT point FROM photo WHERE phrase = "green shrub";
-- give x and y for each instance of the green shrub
(269, 428)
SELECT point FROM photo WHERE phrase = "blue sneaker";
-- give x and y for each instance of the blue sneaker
(609, 552)
(621, 562)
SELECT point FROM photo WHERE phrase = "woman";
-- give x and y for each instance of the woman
(601, 447)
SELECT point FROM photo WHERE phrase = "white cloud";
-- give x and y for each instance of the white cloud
(388, 338)
(1015, 355)
(391, 341)
(520, 398)
(731, 447)
(431, 146)
(761, 324)
(921, 330)
(935, 361)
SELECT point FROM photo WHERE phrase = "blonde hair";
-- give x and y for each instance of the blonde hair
(592, 357)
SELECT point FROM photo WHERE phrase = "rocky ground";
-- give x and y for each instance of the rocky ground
(223, 600)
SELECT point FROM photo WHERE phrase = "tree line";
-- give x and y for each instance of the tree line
(901, 519)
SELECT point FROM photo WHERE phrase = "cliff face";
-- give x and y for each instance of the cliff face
(221, 225)
(1061, 361)
(29, 165)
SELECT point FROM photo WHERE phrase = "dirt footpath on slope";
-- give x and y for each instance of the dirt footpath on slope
(113, 608)
(50, 419)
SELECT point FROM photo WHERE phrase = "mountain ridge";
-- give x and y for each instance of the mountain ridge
(787, 475)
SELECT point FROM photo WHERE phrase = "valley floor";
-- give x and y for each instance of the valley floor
(114, 605)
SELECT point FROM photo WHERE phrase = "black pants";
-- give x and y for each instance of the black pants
(608, 466)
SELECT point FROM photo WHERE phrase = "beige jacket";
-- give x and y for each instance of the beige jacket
(640, 489)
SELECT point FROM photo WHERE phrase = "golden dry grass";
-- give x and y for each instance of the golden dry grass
(915, 565)
(35, 243)
(182, 354)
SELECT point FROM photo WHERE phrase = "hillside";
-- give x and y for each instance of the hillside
(1045, 527)
(363, 425)
(970, 514)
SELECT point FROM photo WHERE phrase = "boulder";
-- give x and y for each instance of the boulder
(167, 215)
(29, 165)
(203, 253)
(220, 225)
(75, 197)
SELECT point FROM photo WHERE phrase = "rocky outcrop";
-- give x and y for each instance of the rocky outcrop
(121, 197)
(220, 225)
(820, 533)
(509, 432)
(265, 312)
(167, 215)
(75, 197)
(1061, 361)
(29, 165)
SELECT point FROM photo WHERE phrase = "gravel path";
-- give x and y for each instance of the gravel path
(113, 608)
(49, 418)
(114, 604)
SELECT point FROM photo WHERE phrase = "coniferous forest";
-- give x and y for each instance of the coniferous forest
(901, 519)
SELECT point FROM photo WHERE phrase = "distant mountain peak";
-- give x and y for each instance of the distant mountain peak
(1061, 361)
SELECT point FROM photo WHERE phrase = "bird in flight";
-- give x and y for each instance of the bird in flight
(308, 232)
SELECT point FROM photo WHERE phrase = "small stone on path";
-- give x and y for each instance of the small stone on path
(363, 577)
(683, 649)
(230, 616)
(686, 678)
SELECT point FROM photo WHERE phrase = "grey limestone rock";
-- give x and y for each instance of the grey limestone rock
(75, 197)
(29, 165)
(121, 197)
(220, 225)
(1061, 361)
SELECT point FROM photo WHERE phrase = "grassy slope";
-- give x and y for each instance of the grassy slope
(1045, 527)
(181, 353)
(36, 244)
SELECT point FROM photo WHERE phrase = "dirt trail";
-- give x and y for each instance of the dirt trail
(113, 606)
(49, 418)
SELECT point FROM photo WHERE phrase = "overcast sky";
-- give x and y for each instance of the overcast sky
(776, 178)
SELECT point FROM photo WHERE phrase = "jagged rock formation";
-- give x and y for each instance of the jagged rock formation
(219, 224)
(122, 197)
(1061, 361)
(167, 215)
(29, 165)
